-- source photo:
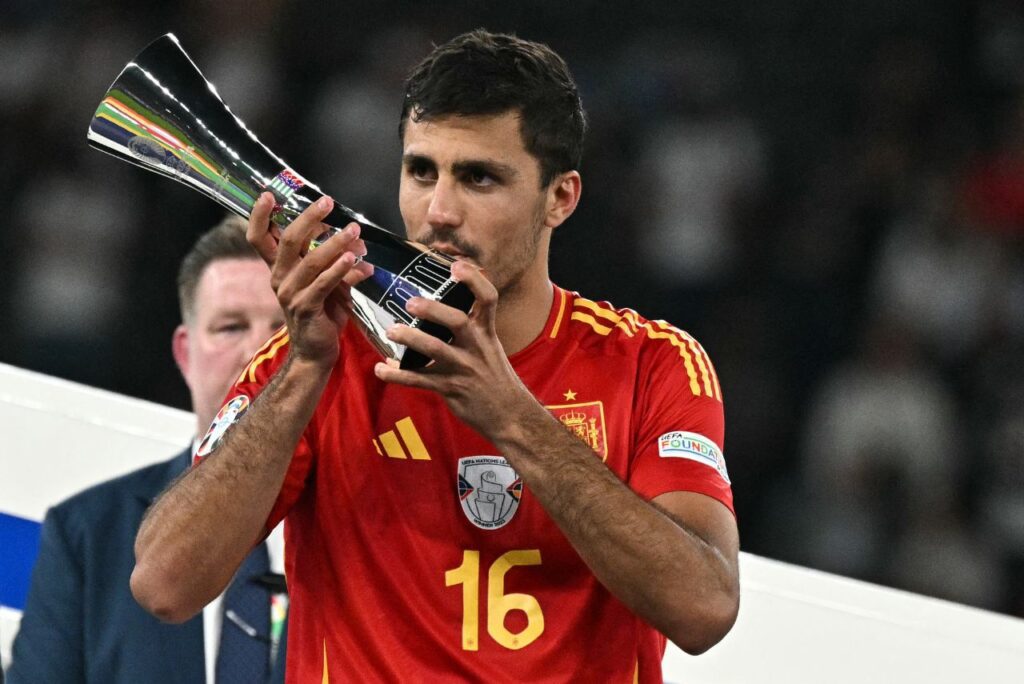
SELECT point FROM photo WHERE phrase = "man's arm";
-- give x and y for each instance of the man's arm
(48, 647)
(673, 561)
(199, 531)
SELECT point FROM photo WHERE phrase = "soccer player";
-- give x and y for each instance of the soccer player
(543, 502)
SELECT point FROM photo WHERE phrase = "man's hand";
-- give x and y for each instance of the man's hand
(312, 286)
(472, 373)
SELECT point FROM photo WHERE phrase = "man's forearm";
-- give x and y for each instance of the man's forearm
(657, 566)
(199, 531)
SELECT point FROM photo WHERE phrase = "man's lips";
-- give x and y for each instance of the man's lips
(449, 250)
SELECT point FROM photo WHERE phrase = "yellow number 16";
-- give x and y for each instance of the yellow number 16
(499, 604)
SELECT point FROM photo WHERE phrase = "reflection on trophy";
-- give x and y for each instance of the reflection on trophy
(163, 115)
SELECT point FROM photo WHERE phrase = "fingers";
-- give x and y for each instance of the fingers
(258, 232)
(305, 227)
(429, 310)
(333, 262)
(469, 331)
(485, 295)
(394, 374)
(344, 241)
(328, 280)
(424, 343)
(486, 300)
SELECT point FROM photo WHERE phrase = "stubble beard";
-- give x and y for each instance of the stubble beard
(507, 276)
(510, 283)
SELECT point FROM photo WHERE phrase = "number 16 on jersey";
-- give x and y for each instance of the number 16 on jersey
(499, 604)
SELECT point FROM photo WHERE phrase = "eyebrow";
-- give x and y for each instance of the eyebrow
(462, 166)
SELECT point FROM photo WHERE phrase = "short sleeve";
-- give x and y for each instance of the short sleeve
(254, 377)
(679, 437)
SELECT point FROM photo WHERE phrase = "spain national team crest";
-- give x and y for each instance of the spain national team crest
(489, 490)
(226, 417)
(586, 421)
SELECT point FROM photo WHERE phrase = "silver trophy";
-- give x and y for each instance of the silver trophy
(163, 115)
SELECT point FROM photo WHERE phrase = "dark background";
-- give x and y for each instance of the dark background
(830, 196)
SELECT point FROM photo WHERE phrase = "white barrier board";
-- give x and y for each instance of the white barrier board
(796, 625)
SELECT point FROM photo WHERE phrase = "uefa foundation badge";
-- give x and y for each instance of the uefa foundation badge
(489, 490)
(694, 447)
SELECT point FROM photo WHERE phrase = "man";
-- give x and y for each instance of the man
(444, 524)
(81, 623)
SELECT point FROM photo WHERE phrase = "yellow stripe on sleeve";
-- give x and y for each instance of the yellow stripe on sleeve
(269, 354)
(714, 389)
(283, 330)
(622, 321)
(610, 316)
(701, 374)
(698, 354)
(613, 317)
(673, 339)
(589, 320)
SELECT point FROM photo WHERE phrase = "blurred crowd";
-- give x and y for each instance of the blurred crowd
(830, 196)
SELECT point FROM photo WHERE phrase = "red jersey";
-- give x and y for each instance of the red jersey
(415, 553)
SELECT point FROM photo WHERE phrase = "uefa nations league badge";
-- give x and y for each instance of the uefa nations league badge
(489, 490)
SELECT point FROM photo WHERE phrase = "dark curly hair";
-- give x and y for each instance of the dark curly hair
(481, 73)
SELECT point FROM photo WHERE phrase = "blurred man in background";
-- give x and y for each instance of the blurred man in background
(81, 623)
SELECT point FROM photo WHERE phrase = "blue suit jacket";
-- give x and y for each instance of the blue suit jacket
(81, 622)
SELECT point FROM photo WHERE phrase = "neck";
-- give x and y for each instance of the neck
(522, 313)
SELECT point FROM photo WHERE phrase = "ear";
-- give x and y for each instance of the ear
(179, 348)
(563, 196)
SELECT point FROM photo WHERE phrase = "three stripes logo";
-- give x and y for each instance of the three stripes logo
(406, 444)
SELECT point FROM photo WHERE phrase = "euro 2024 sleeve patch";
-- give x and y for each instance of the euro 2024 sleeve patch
(694, 447)
(225, 418)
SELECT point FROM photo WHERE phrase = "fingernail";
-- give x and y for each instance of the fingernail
(324, 203)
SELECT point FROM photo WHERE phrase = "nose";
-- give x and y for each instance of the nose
(444, 210)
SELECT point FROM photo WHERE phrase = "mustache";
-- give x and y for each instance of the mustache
(432, 237)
